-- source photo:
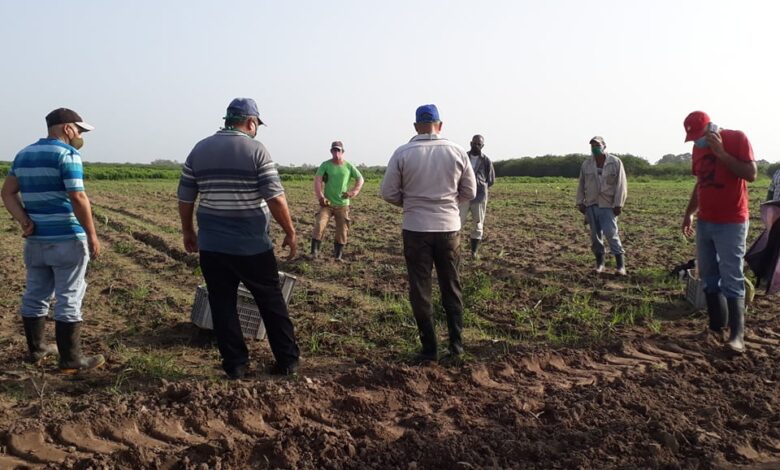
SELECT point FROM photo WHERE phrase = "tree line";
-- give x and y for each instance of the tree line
(568, 166)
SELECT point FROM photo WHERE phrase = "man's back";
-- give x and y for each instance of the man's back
(429, 177)
(47, 170)
(233, 175)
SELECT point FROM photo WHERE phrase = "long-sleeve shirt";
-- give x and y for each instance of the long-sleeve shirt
(429, 177)
(484, 173)
(608, 189)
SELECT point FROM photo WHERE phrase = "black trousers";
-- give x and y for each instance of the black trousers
(260, 275)
(423, 251)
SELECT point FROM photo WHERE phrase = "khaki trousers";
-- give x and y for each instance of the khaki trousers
(341, 214)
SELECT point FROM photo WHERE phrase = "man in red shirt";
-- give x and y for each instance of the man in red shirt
(723, 163)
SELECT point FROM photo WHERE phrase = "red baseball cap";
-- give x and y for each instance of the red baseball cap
(695, 125)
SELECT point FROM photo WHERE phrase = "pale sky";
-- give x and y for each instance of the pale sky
(534, 77)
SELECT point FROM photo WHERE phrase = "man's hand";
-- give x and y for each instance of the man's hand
(28, 227)
(716, 144)
(324, 201)
(581, 208)
(617, 210)
(291, 242)
(687, 225)
(94, 246)
(190, 241)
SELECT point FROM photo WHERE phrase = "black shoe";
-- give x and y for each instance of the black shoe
(237, 373)
(38, 349)
(277, 369)
(69, 344)
(424, 357)
(717, 310)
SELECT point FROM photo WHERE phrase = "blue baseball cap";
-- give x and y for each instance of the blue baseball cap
(427, 113)
(241, 107)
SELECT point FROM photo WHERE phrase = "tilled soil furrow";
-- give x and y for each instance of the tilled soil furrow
(82, 437)
(31, 446)
(127, 432)
(10, 462)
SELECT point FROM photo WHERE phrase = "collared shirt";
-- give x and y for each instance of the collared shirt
(484, 173)
(234, 175)
(774, 186)
(429, 177)
(47, 171)
(607, 188)
(722, 195)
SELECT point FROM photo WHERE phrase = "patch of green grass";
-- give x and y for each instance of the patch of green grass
(14, 391)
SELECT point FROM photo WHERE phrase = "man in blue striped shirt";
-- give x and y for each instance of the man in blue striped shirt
(56, 219)
(239, 188)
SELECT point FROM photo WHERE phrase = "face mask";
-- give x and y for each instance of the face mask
(597, 151)
(701, 142)
(76, 142)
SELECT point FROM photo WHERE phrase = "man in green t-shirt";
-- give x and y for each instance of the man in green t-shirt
(330, 189)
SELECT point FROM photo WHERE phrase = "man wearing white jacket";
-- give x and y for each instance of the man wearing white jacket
(601, 194)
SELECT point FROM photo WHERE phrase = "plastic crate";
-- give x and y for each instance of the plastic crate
(248, 313)
(694, 291)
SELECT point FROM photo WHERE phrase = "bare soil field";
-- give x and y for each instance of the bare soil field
(565, 368)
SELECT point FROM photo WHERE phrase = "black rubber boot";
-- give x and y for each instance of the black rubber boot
(34, 330)
(736, 324)
(69, 343)
(338, 251)
(620, 264)
(430, 349)
(475, 247)
(599, 262)
(315, 247)
(717, 310)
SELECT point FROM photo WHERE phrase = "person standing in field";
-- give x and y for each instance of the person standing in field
(723, 163)
(601, 195)
(239, 189)
(330, 189)
(430, 177)
(486, 176)
(60, 238)
(774, 187)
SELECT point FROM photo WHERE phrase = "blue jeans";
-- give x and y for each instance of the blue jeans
(720, 249)
(603, 224)
(55, 268)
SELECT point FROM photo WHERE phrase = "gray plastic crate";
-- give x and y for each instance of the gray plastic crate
(694, 291)
(248, 313)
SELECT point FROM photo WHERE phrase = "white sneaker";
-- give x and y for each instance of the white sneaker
(600, 268)
(621, 272)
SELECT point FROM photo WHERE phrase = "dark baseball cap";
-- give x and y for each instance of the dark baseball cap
(67, 116)
(599, 140)
(337, 145)
(241, 107)
(427, 113)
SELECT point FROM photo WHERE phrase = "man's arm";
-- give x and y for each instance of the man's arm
(693, 206)
(186, 211)
(491, 176)
(746, 170)
(10, 195)
(467, 184)
(356, 189)
(581, 193)
(281, 214)
(82, 209)
(319, 191)
(621, 191)
(390, 189)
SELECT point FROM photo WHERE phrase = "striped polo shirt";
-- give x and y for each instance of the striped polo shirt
(47, 170)
(232, 175)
